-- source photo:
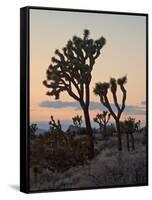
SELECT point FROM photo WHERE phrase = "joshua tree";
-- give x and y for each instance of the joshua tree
(102, 119)
(71, 73)
(55, 125)
(77, 121)
(98, 120)
(129, 127)
(33, 129)
(137, 126)
(102, 89)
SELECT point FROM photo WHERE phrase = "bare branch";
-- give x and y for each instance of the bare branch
(108, 106)
(124, 97)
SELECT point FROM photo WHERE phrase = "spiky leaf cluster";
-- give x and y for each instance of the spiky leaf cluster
(129, 125)
(71, 68)
(102, 118)
(101, 89)
(55, 125)
(77, 121)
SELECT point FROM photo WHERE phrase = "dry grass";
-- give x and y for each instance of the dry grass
(109, 168)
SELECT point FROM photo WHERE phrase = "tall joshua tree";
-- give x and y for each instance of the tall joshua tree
(77, 121)
(102, 89)
(71, 73)
(102, 119)
(129, 127)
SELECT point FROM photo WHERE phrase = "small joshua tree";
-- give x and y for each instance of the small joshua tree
(129, 128)
(137, 126)
(77, 121)
(102, 119)
(71, 73)
(55, 125)
(102, 89)
(98, 120)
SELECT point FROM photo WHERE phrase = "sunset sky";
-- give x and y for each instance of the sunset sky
(123, 54)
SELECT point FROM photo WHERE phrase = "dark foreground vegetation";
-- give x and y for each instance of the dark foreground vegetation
(59, 160)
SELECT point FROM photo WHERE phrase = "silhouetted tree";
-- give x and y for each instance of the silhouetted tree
(111, 129)
(55, 125)
(129, 127)
(33, 129)
(102, 119)
(102, 89)
(98, 120)
(77, 121)
(71, 72)
(137, 126)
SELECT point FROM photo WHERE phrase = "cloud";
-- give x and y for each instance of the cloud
(129, 109)
(134, 110)
(73, 104)
(59, 104)
(143, 103)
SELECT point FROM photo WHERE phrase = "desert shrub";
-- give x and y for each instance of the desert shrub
(111, 129)
(83, 131)
(144, 137)
(59, 151)
(33, 129)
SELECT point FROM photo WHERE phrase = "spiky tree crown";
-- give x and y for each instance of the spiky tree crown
(71, 67)
(102, 118)
(101, 89)
(122, 81)
(55, 125)
(77, 120)
(129, 124)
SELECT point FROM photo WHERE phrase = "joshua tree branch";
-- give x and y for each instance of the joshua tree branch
(124, 97)
(115, 100)
(81, 90)
(97, 54)
(80, 54)
(87, 94)
(107, 104)
(70, 78)
(73, 95)
(108, 118)
(92, 61)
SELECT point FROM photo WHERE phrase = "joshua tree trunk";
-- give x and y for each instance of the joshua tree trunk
(100, 130)
(132, 141)
(119, 135)
(105, 131)
(127, 137)
(89, 131)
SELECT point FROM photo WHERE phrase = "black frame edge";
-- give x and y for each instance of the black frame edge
(85, 10)
(147, 95)
(24, 171)
(25, 95)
